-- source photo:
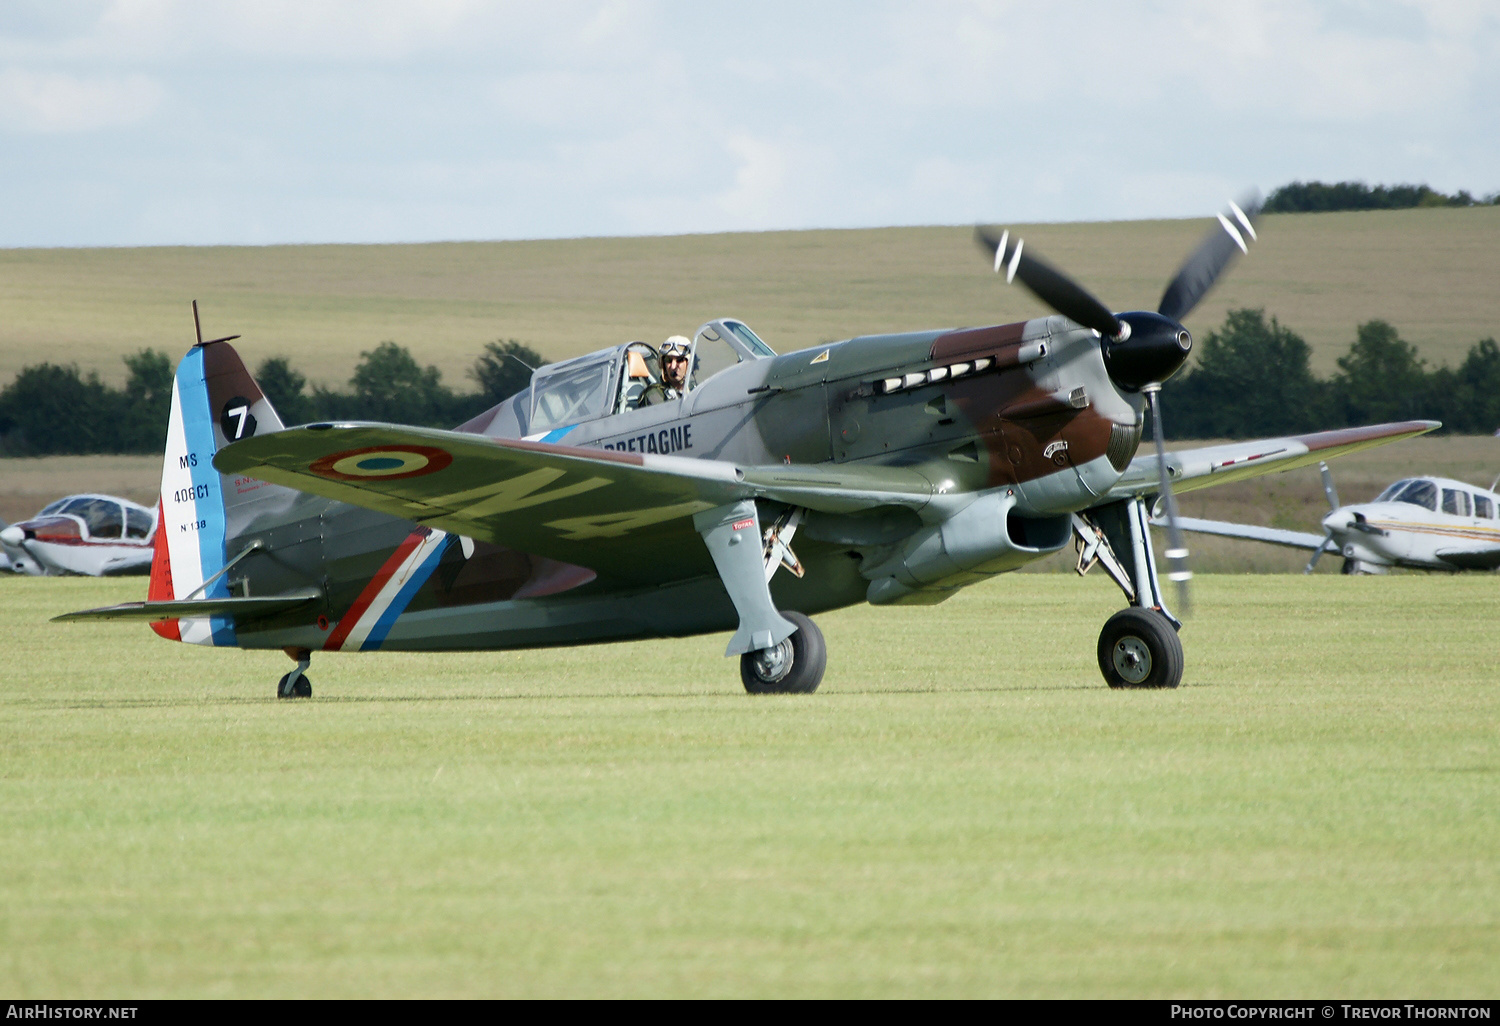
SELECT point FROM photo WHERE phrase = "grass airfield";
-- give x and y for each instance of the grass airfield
(963, 809)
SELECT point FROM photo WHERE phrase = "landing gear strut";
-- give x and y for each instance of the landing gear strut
(780, 653)
(1138, 647)
(296, 684)
(795, 666)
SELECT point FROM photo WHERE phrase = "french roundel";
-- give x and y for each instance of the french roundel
(385, 462)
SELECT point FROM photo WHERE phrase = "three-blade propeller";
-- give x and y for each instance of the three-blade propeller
(1332, 495)
(1050, 285)
(1143, 365)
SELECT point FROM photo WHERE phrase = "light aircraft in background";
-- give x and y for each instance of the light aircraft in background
(1424, 523)
(903, 467)
(93, 535)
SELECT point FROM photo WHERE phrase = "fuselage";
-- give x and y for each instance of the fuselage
(1021, 421)
(1429, 523)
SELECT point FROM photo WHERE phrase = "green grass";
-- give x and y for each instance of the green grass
(962, 809)
(1429, 272)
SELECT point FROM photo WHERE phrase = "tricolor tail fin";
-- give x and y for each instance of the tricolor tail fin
(215, 401)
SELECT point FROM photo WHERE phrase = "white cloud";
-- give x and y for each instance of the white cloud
(463, 118)
(57, 102)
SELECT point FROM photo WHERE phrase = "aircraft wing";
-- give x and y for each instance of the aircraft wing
(1471, 559)
(1270, 535)
(1191, 469)
(617, 513)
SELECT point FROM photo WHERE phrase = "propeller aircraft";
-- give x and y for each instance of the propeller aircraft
(93, 535)
(1422, 523)
(903, 467)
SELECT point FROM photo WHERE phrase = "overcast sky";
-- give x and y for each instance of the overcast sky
(141, 122)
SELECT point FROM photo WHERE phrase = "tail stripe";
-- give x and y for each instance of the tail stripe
(160, 588)
(386, 597)
(434, 555)
(193, 501)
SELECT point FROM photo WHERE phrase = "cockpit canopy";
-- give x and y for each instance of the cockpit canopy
(614, 380)
(1439, 495)
(105, 516)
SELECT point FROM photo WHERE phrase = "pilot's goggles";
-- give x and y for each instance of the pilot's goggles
(674, 349)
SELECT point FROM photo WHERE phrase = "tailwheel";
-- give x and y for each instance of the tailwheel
(294, 685)
(1138, 648)
(793, 667)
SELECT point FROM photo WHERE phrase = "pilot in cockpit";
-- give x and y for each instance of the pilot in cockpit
(674, 372)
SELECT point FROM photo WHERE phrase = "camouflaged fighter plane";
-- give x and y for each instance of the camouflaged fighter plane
(902, 467)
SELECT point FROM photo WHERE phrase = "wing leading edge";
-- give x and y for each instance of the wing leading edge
(1191, 469)
(1250, 532)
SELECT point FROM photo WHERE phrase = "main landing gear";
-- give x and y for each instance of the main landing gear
(296, 684)
(795, 666)
(780, 653)
(1138, 647)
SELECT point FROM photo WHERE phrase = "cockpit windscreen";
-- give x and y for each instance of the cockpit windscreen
(1389, 495)
(572, 394)
(1418, 493)
(103, 517)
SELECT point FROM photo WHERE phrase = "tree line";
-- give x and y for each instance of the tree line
(56, 409)
(1252, 379)
(1320, 197)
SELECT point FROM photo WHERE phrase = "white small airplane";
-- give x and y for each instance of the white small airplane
(1424, 523)
(94, 535)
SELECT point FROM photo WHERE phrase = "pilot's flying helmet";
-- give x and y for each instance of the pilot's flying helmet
(677, 345)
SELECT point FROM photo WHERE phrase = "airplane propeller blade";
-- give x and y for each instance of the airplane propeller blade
(1050, 285)
(1328, 489)
(1177, 552)
(1219, 248)
(1327, 537)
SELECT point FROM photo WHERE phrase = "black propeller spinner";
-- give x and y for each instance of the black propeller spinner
(1140, 349)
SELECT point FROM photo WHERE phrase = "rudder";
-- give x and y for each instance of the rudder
(215, 401)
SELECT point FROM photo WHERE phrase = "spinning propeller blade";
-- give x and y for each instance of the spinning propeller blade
(1177, 552)
(1050, 285)
(1333, 503)
(1328, 489)
(1219, 248)
(1327, 537)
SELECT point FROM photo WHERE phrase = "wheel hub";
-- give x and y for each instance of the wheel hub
(772, 664)
(1132, 659)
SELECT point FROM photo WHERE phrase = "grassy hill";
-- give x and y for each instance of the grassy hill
(1431, 272)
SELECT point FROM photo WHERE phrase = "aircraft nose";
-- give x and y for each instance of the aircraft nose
(12, 535)
(1338, 520)
(1152, 351)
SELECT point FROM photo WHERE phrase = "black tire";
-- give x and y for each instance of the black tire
(1139, 648)
(794, 667)
(300, 688)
